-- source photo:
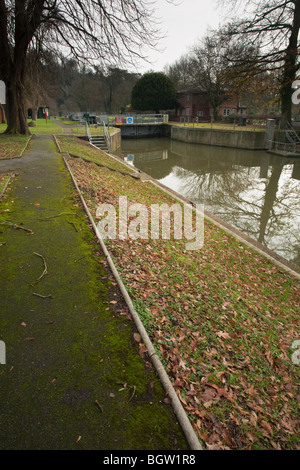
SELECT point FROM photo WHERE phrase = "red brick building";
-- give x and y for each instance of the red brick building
(194, 103)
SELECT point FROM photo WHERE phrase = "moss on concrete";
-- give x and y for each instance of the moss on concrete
(74, 378)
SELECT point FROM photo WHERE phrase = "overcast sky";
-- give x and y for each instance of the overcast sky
(183, 25)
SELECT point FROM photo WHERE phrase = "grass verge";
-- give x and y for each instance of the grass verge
(223, 320)
(83, 149)
(12, 146)
(43, 126)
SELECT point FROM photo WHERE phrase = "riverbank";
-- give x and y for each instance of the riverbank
(228, 136)
(242, 139)
(223, 319)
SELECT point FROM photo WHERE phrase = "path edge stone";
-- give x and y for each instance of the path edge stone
(179, 411)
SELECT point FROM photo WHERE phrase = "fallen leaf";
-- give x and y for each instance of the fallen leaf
(142, 349)
(267, 427)
(137, 337)
(223, 334)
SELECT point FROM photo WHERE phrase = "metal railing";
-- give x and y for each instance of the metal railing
(132, 119)
(284, 146)
(88, 132)
(291, 134)
(106, 135)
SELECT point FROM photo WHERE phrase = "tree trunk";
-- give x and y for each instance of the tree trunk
(290, 70)
(216, 113)
(27, 16)
(34, 113)
(2, 114)
(15, 108)
(270, 196)
(286, 104)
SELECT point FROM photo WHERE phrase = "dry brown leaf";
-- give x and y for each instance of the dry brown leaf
(223, 334)
(137, 337)
(267, 427)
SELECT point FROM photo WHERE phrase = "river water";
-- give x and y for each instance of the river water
(253, 191)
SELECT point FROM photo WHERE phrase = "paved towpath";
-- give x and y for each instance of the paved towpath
(74, 378)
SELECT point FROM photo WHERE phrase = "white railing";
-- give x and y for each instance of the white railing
(106, 135)
(131, 119)
(88, 132)
(284, 146)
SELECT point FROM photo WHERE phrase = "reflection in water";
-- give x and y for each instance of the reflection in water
(254, 191)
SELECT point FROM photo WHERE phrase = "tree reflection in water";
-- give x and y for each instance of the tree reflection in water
(265, 209)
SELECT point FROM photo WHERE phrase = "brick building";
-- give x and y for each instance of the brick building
(194, 103)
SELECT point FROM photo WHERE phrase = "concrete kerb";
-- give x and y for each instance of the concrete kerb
(25, 148)
(12, 158)
(181, 415)
(5, 187)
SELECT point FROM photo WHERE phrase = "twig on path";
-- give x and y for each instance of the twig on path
(43, 296)
(74, 225)
(127, 389)
(58, 215)
(99, 406)
(17, 227)
(79, 259)
(133, 393)
(45, 267)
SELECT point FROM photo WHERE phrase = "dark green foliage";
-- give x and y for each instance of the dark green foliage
(153, 92)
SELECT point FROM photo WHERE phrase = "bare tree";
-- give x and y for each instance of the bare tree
(208, 66)
(274, 26)
(210, 71)
(182, 72)
(103, 30)
(213, 70)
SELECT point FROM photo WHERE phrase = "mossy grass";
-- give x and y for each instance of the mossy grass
(45, 126)
(81, 148)
(11, 146)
